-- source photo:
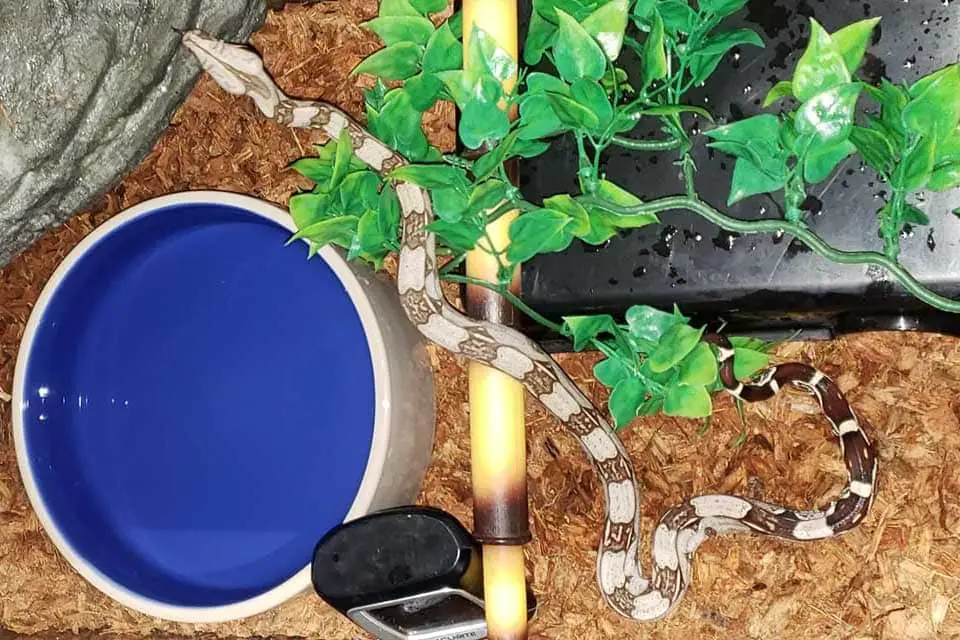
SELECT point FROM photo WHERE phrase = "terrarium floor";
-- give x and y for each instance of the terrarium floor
(897, 576)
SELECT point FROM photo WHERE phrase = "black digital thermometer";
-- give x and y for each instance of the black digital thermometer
(408, 573)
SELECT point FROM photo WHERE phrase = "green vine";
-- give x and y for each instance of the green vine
(655, 361)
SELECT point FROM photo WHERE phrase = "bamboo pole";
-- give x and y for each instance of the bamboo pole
(497, 421)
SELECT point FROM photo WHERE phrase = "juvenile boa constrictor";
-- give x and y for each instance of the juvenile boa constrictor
(683, 528)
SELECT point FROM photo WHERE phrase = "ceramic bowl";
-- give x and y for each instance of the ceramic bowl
(196, 405)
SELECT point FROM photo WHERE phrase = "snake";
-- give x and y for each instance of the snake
(622, 583)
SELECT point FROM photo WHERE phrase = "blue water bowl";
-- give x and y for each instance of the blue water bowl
(197, 405)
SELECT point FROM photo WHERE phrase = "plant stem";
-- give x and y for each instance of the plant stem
(688, 168)
(506, 293)
(645, 145)
(809, 238)
(453, 264)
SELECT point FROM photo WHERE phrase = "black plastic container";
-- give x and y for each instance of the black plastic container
(761, 284)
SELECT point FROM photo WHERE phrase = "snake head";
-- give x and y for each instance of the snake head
(236, 68)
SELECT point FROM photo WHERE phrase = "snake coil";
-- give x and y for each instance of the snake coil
(683, 528)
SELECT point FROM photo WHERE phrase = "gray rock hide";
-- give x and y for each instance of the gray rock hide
(86, 88)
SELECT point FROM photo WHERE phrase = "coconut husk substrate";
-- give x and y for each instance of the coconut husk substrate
(896, 576)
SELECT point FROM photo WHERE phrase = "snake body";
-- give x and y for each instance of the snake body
(683, 528)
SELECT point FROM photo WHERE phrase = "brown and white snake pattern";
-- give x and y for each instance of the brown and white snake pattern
(682, 529)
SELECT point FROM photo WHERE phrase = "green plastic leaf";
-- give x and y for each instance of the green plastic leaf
(852, 41)
(592, 96)
(643, 9)
(430, 176)
(308, 208)
(649, 324)
(821, 67)
(624, 400)
(338, 230)
(705, 59)
(911, 215)
(579, 9)
(399, 126)
(341, 162)
(677, 16)
(320, 169)
(821, 160)
(529, 148)
(429, 6)
(540, 34)
(538, 82)
(949, 151)
(424, 90)
(945, 177)
(875, 147)
(488, 195)
(449, 203)
(609, 372)
(761, 161)
(577, 55)
(914, 172)
(583, 329)
(398, 8)
(721, 8)
(359, 191)
(370, 237)
(565, 204)
(828, 116)
(783, 89)
(481, 123)
(573, 114)
(490, 161)
(485, 54)
(389, 210)
(654, 62)
(722, 42)
(699, 367)
(750, 179)
(935, 107)
(604, 223)
(375, 96)
(674, 345)
(396, 29)
(460, 236)
(540, 231)
(747, 362)
(607, 25)
(687, 402)
(444, 51)
(396, 62)
(538, 119)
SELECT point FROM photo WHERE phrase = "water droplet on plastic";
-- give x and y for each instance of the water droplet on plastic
(43, 392)
(909, 62)
(639, 272)
(42, 417)
(763, 210)
(906, 232)
(931, 243)
(747, 89)
(921, 197)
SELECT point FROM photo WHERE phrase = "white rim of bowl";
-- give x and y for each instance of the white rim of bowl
(300, 581)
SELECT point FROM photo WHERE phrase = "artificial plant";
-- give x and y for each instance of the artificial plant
(570, 84)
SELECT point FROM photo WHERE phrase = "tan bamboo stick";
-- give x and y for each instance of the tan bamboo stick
(497, 424)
